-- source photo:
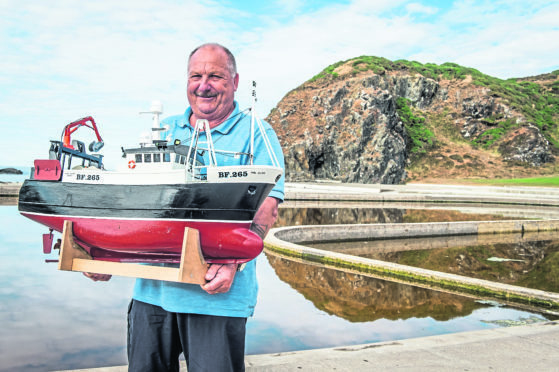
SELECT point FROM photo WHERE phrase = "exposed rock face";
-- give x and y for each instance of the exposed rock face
(475, 113)
(527, 145)
(347, 128)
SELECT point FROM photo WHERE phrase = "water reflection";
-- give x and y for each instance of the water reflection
(295, 214)
(359, 298)
(529, 260)
(8, 201)
(314, 307)
(332, 216)
(53, 319)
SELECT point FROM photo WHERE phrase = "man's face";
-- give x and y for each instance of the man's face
(211, 88)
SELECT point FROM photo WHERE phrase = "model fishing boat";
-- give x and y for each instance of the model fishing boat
(139, 212)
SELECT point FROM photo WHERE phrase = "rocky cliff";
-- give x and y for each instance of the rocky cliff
(371, 120)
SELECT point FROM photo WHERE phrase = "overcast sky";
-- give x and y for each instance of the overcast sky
(63, 60)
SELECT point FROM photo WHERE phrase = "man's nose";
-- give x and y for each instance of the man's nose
(204, 83)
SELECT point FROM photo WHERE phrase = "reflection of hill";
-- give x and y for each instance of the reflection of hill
(333, 216)
(359, 298)
(545, 275)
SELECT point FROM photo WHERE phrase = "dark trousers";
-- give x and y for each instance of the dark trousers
(157, 337)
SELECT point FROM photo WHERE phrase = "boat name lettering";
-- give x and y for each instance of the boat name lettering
(88, 177)
(232, 174)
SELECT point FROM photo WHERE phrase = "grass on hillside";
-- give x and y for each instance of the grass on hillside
(420, 137)
(539, 104)
(535, 181)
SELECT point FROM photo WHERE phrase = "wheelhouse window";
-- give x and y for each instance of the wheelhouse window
(157, 158)
(147, 158)
(166, 157)
(138, 158)
(177, 158)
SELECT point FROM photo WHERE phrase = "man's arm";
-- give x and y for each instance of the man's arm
(265, 217)
(220, 277)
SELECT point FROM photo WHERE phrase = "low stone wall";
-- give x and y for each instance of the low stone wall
(288, 241)
(9, 189)
(332, 233)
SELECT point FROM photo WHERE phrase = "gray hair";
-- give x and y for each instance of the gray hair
(231, 64)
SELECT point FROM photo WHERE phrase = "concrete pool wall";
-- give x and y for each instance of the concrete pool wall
(284, 241)
(289, 241)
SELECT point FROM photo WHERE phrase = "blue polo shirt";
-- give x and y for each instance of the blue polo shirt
(240, 300)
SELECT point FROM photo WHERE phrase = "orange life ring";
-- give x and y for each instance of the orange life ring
(131, 164)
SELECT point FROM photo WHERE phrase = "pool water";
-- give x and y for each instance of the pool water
(529, 260)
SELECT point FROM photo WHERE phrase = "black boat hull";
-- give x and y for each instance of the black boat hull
(146, 222)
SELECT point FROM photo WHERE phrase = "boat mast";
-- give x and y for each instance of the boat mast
(252, 116)
(156, 109)
(255, 118)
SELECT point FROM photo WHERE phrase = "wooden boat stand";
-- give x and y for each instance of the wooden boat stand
(192, 267)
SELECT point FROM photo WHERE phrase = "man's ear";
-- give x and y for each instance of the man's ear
(236, 81)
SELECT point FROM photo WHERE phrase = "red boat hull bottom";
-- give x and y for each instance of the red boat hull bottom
(157, 240)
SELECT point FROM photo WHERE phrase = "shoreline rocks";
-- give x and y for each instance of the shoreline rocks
(10, 171)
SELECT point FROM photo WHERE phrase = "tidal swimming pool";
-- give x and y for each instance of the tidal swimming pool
(62, 320)
(528, 260)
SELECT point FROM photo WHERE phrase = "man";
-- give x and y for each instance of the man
(207, 323)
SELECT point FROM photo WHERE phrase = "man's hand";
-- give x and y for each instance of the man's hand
(98, 277)
(220, 278)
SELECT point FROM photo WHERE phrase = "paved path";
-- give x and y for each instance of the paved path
(521, 348)
(544, 196)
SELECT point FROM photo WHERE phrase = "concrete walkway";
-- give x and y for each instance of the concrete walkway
(542, 196)
(522, 348)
